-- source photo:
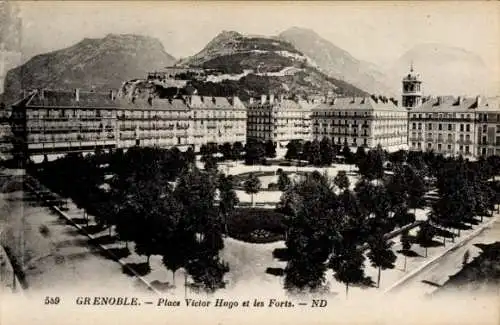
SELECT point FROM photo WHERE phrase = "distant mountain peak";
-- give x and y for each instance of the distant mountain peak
(100, 63)
(336, 61)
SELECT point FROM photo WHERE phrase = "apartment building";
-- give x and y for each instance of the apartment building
(48, 121)
(217, 120)
(450, 125)
(488, 128)
(361, 121)
(278, 119)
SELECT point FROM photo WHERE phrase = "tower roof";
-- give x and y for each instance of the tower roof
(412, 75)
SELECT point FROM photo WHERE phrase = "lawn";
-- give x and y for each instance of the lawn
(256, 225)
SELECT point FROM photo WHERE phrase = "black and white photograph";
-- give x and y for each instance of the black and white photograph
(220, 162)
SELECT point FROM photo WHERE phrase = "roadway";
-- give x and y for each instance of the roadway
(54, 257)
(436, 274)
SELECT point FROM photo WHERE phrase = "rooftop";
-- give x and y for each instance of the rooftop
(359, 103)
(452, 104)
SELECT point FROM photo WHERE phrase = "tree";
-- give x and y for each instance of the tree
(315, 153)
(190, 156)
(306, 151)
(228, 198)
(313, 209)
(380, 254)
(326, 150)
(341, 180)
(210, 164)
(252, 185)
(237, 150)
(254, 153)
(346, 152)
(347, 265)
(293, 150)
(372, 167)
(359, 156)
(415, 188)
(227, 151)
(208, 270)
(270, 149)
(406, 244)
(283, 181)
(177, 250)
(425, 235)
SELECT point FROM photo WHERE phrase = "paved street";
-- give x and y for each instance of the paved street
(56, 257)
(438, 273)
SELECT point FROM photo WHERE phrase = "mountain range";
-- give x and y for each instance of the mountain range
(99, 64)
(444, 70)
(337, 62)
(297, 61)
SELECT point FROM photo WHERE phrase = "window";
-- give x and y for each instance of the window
(467, 127)
(449, 147)
(466, 149)
(429, 145)
(485, 128)
(467, 137)
(439, 146)
(420, 126)
(440, 126)
(461, 128)
(429, 126)
(484, 140)
(449, 127)
(414, 126)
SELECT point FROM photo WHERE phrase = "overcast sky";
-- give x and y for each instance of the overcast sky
(378, 32)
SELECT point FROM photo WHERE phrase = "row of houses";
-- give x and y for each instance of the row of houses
(51, 121)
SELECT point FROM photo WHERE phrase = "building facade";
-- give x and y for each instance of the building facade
(488, 128)
(61, 121)
(445, 125)
(278, 119)
(468, 126)
(361, 121)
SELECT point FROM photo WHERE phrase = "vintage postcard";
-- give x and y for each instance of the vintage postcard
(220, 162)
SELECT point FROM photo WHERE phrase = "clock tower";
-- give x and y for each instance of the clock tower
(412, 91)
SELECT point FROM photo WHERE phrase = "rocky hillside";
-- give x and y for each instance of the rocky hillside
(92, 63)
(250, 65)
(337, 62)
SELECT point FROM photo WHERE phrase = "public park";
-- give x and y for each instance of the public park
(314, 219)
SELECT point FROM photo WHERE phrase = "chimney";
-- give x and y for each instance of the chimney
(250, 101)
(478, 101)
(42, 93)
(271, 99)
(440, 100)
(334, 100)
(112, 94)
(263, 99)
(77, 94)
(460, 100)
